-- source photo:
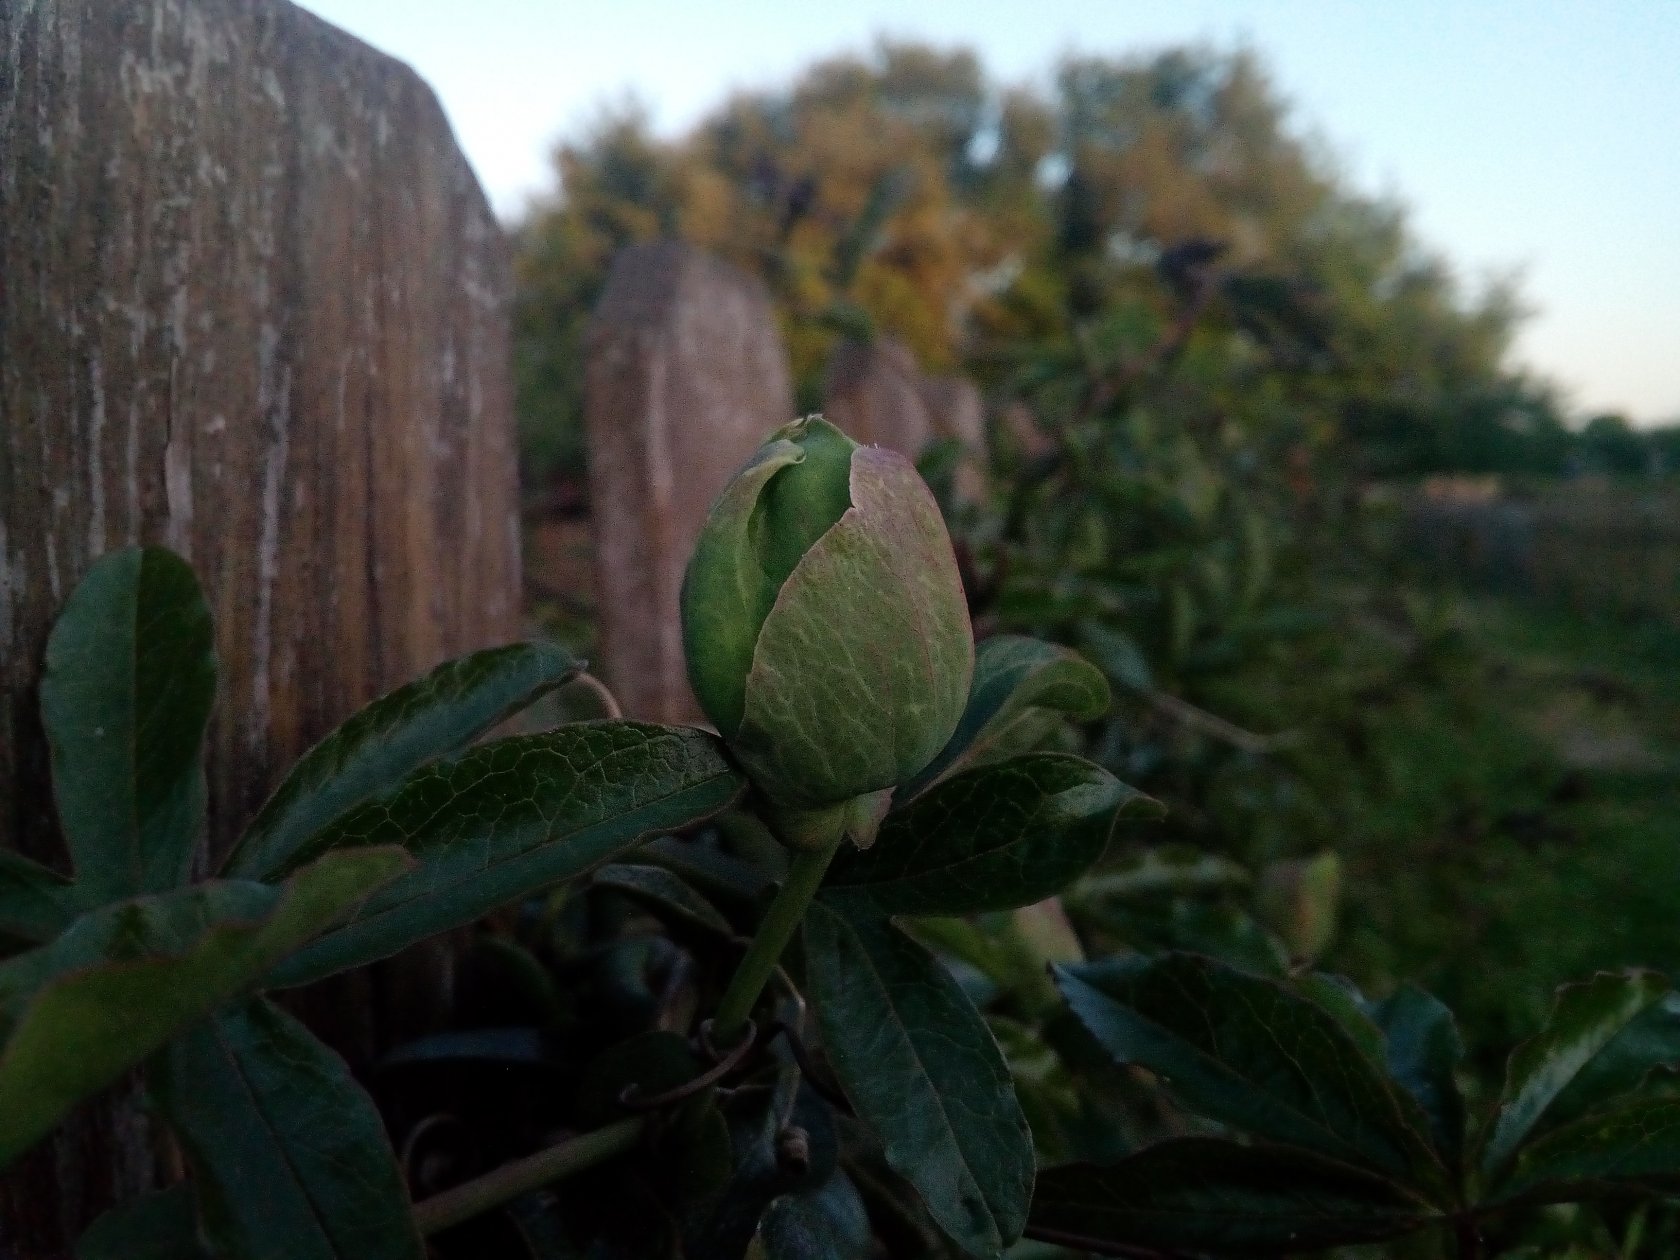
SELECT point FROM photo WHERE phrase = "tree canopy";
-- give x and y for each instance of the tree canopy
(1169, 199)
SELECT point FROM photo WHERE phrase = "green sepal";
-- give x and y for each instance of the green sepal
(819, 830)
(862, 666)
(726, 591)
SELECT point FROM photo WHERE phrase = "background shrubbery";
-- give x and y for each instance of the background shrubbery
(1393, 634)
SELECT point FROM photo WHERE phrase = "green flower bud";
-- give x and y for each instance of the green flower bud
(826, 630)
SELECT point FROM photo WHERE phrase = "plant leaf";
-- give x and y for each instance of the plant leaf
(162, 1225)
(1423, 1051)
(1250, 1053)
(378, 746)
(1587, 1022)
(727, 589)
(827, 1223)
(719, 876)
(1169, 870)
(513, 816)
(130, 677)
(722, 1225)
(1118, 654)
(36, 903)
(125, 979)
(923, 1071)
(1649, 1043)
(1216, 1195)
(1634, 1147)
(1000, 836)
(667, 893)
(288, 1154)
(1022, 687)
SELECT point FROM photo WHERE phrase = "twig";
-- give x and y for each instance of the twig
(501, 1185)
(602, 692)
(631, 1096)
(1189, 715)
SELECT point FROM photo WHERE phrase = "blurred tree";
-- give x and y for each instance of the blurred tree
(1609, 444)
(1148, 208)
(618, 185)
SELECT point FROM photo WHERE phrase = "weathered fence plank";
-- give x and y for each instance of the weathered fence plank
(879, 394)
(686, 375)
(252, 306)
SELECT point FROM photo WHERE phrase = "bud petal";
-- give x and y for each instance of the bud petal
(862, 666)
(792, 490)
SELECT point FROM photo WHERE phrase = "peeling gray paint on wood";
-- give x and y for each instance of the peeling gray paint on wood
(253, 306)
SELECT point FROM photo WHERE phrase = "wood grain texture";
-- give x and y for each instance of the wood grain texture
(252, 306)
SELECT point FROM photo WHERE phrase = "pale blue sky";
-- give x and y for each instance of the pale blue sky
(1540, 137)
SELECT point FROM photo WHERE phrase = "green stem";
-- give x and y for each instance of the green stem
(805, 875)
(500, 1185)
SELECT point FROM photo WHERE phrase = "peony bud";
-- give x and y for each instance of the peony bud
(826, 630)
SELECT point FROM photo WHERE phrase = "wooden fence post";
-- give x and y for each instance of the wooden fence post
(879, 394)
(686, 375)
(253, 306)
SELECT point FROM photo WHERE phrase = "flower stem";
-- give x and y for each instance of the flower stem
(500, 1185)
(781, 920)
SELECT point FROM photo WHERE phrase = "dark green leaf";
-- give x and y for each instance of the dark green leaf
(1423, 1051)
(1250, 1053)
(1341, 998)
(1648, 1044)
(130, 677)
(159, 925)
(1635, 1147)
(1004, 835)
(1118, 654)
(513, 816)
(666, 893)
(378, 746)
(723, 1227)
(920, 1066)
(827, 1223)
(1216, 928)
(125, 979)
(36, 904)
(499, 1047)
(1215, 1195)
(1021, 689)
(1169, 870)
(718, 875)
(1587, 1021)
(288, 1154)
(158, 1226)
